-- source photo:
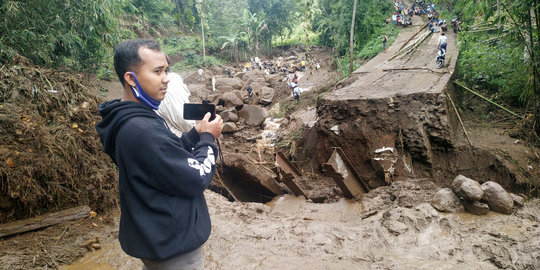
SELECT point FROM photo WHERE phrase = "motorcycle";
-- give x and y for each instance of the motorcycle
(439, 61)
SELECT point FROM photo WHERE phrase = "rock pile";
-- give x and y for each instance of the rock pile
(468, 195)
(237, 108)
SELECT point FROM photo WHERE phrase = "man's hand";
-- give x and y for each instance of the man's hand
(213, 127)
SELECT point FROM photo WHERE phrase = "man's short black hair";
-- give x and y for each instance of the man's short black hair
(126, 55)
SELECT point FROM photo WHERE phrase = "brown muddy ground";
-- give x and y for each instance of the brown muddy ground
(391, 227)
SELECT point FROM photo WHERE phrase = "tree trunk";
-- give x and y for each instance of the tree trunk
(352, 38)
(535, 81)
(203, 45)
(236, 53)
(256, 46)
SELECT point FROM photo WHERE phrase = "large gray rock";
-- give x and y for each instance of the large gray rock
(445, 200)
(229, 116)
(238, 94)
(234, 83)
(518, 200)
(274, 79)
(231, 100)
(214, 98)
(467, 188)
(258, 86)
(252, 115)
(229, 127)
(497, 198)
(253, 76)
(266, 95)
(224, 88)
(476, 208)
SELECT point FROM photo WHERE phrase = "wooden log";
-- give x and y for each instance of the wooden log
(419, 30)
(25, 225)
(462, 85)
(459, 118)
(414, 68)
(415, 44)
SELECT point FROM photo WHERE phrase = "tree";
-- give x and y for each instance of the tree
(352, 38)
(202, 8)
(232, 40)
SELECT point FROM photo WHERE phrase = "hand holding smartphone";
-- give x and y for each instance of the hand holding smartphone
(196, 111)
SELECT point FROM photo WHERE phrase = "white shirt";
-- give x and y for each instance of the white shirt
(442, 40)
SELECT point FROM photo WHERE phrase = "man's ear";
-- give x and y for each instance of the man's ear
(128, 77)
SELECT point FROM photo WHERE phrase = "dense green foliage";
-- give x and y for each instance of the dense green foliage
(499, 47)
(81, 35)
(76, 34)
(333, 21)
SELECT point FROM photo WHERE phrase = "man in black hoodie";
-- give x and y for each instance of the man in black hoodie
(165, 219)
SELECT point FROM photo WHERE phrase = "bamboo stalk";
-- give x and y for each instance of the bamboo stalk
(459, 118)
(488, 100)
(419, 30)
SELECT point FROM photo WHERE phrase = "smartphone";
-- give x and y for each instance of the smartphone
(196, 111)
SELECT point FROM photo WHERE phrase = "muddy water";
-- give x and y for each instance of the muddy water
(392, 227)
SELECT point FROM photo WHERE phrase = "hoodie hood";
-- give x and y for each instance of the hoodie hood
(114, 114)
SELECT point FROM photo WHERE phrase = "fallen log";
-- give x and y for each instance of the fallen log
(419, 30)
(25, 225)
(462, 85)
(415, 44)
(414, 68)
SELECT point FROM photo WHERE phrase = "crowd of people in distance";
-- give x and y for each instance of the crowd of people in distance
(273, 67)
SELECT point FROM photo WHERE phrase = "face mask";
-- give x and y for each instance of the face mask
(141, 95)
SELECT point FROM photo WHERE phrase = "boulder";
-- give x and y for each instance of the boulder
(518, 200)
(253, 76)
(238, 94)
(252, 115)
(445, 200)
(231, 100)
(224, 88)
(229, 127)
(497, 198)
(274, 79)
(214, 98)
(229, 116)
(258, 86)
(266, 95)
(476, 208)
(467, 188)
(234, 83)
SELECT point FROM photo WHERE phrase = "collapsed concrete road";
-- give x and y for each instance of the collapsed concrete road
(394, 119)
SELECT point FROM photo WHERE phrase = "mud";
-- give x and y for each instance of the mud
(393, 227)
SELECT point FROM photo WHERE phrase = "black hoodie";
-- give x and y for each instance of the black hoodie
(162, 180)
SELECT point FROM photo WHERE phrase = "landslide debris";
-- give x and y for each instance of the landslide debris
(50, 154)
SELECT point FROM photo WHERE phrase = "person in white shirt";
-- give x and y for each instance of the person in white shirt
(442, 42)
(200, 71)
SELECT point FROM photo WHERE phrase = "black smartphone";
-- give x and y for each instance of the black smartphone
(196, 111)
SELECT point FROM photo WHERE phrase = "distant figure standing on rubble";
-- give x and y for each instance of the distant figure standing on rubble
(213, 83)
(384, 40)
(296, 93)
(200, 71)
